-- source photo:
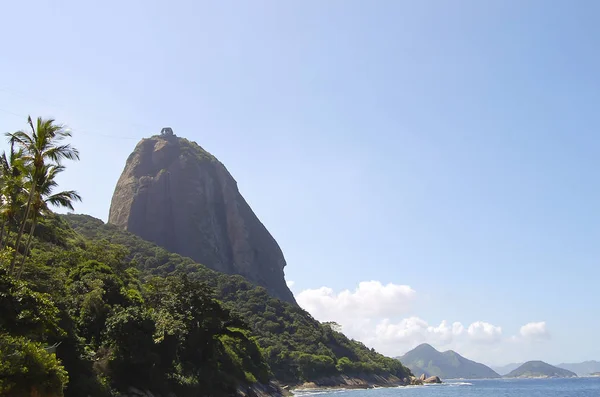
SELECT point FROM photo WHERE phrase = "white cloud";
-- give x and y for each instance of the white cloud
(381, 316)
(457, 328)
(534, 331)
(480, 331)
(408, 330)
(414, 330)
(370, 299)
(290, 283)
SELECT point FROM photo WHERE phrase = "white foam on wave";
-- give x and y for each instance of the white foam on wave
(316, 392)
(459, 384)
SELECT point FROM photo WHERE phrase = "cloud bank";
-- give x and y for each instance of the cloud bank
(379, 315)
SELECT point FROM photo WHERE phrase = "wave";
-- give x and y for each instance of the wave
(316, 392)
(458, 384)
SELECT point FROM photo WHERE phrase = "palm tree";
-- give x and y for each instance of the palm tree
(43, 197)
(41, 145)
(12, 190)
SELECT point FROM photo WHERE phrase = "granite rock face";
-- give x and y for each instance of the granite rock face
(175, 194)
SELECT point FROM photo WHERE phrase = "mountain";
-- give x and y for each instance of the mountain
(175, 194)
(582, 369)
(424, 359)
(539, 369)
(504, 369)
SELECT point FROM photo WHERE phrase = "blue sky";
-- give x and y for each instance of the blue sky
(447, 146)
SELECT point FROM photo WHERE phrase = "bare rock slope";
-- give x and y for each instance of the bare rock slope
(175, 194)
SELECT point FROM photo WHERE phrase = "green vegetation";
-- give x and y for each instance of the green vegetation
(296, 346)
(36, 164)
(189, 148)
(26, 366)
(111, 331)
(90, 310)
(195, 150)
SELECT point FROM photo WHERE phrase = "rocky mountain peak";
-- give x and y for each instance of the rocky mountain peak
(174, 193)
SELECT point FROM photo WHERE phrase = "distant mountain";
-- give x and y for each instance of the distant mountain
(539, 369)
(504, 369)
(424, 359)
(585, 368)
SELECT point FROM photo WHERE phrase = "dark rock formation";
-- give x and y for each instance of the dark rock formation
(360, 381)
(175, 194)
(256, 390)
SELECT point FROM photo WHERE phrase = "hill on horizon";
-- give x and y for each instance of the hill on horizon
(425, 359)
(505, 369)
(582, 369)
(540, 369)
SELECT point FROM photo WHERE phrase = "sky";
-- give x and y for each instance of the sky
(429, 168)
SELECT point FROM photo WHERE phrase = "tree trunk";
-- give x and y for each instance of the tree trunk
(33, 225)
(22, 228)
(7, 239)
(2, 233)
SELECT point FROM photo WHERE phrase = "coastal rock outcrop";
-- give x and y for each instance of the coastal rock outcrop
(433, 379)
(360, 381)
(174, 193)
(414, 381)
(256, 390)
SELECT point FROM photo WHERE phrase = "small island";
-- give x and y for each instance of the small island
(540, 369)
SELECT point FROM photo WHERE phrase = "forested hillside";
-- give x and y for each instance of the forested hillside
(85, 301)
(90, 310)
(296, 346)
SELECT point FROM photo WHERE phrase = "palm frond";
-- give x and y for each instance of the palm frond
(61, 152)
(20, 138)
(64, 199)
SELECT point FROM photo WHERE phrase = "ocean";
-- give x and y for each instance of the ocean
(573, 387)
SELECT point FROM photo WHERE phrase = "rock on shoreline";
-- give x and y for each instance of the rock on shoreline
(256, 390)
(366, 381)
(274, 389)
(423, 380)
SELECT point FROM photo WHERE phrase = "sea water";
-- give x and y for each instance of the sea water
(572, 387)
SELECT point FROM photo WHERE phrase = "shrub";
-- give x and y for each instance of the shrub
(27, 368)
